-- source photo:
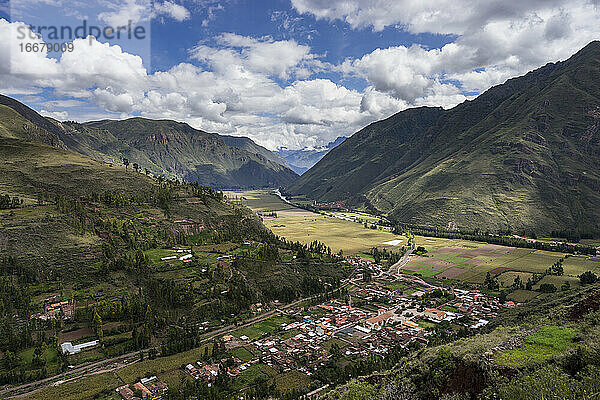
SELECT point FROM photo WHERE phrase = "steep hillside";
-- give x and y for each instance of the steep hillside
(524, 155)
(164, 147)
(302, 160)
(21, 122)
(248, 144)
(178, 150)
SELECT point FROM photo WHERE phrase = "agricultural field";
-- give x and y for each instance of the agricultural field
(89, 387)
(257, 330)
(291, 380)
(539, 346)
(258, 200)
(300, 225)
(471, 261)
(453, 259)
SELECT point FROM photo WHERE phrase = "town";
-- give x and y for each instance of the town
(377, 309)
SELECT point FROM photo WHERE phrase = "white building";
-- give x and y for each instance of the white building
(67, 347)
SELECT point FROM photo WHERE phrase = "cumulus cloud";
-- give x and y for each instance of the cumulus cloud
(173, 10)
(273, 90)
(421, 16)
(495, 40)
(273, 58)
(122, 12)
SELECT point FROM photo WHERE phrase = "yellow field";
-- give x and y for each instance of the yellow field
(259, 200)
(296, 224)
(300, 225)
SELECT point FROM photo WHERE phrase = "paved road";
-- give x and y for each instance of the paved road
(395, 269)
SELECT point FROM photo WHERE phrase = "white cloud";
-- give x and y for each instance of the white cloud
(424, 16)
(122, 12)
(175, 11)
(270, 89)
(58, 115)
(496, 40)
(273, 58)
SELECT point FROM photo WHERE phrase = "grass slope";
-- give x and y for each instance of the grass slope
(524, 156)
(175, 149)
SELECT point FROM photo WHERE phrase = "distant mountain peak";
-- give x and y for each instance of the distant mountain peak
(303, 159)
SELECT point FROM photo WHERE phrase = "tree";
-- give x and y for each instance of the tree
(136, 167)
(97, 325)
(334, 350)
(518, 283)
(588, 277)
(125, 163)
(547, 288)
(529, 284)
(491, 283)
(502, 297)
(11, 360)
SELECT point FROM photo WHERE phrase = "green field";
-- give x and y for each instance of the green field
(396, 286)
(252, 373)
(257, 330)
(80, 389)
(521, 295)
(291, 380)
(242, 353)
(545, 343)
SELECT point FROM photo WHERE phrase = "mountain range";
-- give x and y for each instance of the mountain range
(302, 160)
(522, 156)
(163, 147)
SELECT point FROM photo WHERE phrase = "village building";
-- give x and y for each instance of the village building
(434, 315)
(381, 320)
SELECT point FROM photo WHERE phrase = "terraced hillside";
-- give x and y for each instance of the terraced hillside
(524, 156)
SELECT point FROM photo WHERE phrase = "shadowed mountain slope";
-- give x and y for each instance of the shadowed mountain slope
(524, 155)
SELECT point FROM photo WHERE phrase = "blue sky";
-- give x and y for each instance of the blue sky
(294, 73)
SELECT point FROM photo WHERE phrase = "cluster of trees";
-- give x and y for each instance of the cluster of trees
(588, 278)
(574, 236)
(335, 373)
(496, 238)
(7, 202)
(135, 262)
(557, 268)
(391, 256)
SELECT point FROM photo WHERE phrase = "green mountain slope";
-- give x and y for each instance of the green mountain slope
(524, 155)
(251, 147)
(21, 122)
(162, 147)
(175, 149)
